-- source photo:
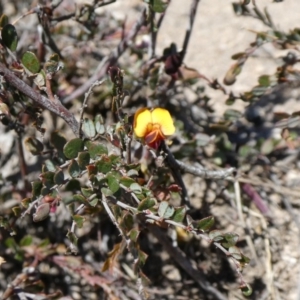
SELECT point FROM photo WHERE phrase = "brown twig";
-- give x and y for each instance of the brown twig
(49, 88)
(173, 164)
(20, 278)
(204, 173)
(238, 200)
(193, 11)
(23, 165)
(154, 29)
(110, 59)
(56, 107)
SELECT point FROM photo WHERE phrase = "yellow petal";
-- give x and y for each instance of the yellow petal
(142, 119)
(162, 116)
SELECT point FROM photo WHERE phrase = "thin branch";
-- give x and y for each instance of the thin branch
(113, 219)
(287, 191)
(173, 164)
(19, 279)
(238, 200)
(56, 107)
(31, 205)
(190, 27)
(154, 29)
(204, 173)
(110, 59)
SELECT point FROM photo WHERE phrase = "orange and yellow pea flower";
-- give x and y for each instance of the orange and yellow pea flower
(153, 126)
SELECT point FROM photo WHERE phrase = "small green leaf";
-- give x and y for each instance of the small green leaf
(136, 188)
(259, 90)
(104, 165)
(179, 214)
(94, 201)
(132, 173)
(235, 252)
(126, 181)
(73, 185)
(244, 260)
(238, 55)
(113, 183)
(127, 221)
(264, 80)
(231, 239)
(88, 128)
(54, 57)
(9, 37)
(83, 159)
(146, 204)
(115, 158)
(79, 220)
(72, 148)
(3, 21)
(59, 177)
(165, 211)
(134, 234)
(11, 243)
(47, 178)
(106, 192)
(159, 6)
(232, 73)
(46, 190)
(57, 140)
(50, 165)
(26, 241)
(79, 198)
(232, 115)
(74, 169)
(216, 235)
(31, 62)
(33, 145)
(87, 192)
(41, 212)
(142, 257)
(36, 189)
(230, 101)
(44, 243)
(246, 290)
(96, 149)
(99, 124)
(205, 223)
(72, 237)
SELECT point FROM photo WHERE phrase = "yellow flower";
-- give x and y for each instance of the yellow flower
(153, 126)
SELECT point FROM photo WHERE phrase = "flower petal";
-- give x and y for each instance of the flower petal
(142, 119)
(162, 117)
